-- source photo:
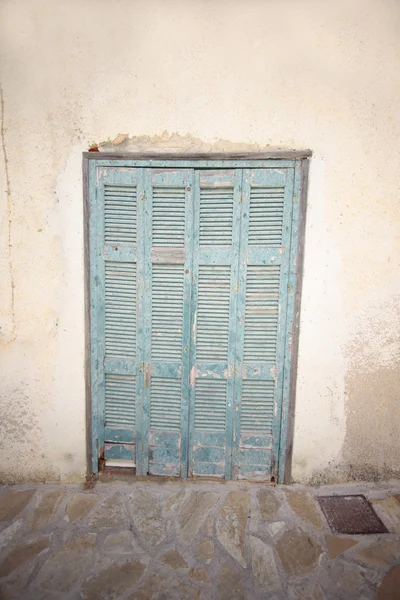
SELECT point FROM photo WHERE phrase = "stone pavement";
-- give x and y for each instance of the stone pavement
(145, 540)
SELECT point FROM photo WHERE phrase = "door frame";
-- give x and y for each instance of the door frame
(299, 159)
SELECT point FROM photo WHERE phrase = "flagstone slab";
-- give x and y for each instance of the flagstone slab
(391, 508)
(229, 583)
(265, 572)
(46, 508)
(113, 581)
(209, 529)
(337, 545)
(22, 554)
(61, 571)
(12, 502)
(268, 503)
(193, 514)
(109, 514)
(199, 574)
(9, 533)
(205, 551)
(121, 542)
(175, 500)
(10, 587)
(299, 553)
(276, 528)
(303, 504)
(351, 579)
(80, 505)
(148, 518)
(231, 524)
(174, 560)
(389, 588)
(383, 553)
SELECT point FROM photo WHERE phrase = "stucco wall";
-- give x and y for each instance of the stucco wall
(223, 74)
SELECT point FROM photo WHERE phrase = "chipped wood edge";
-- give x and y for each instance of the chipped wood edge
(287, 475)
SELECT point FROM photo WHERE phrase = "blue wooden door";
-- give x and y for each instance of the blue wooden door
(264, 265)
(117, 217)
(166, 309)
(215, 278)
(192, 281)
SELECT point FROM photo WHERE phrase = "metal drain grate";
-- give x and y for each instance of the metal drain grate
(350, 514)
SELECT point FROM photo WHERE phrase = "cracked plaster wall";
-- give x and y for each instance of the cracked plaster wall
(223, 75)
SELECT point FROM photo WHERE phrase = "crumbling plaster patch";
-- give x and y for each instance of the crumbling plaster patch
(175, 142)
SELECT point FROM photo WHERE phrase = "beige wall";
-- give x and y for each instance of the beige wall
(224, 74)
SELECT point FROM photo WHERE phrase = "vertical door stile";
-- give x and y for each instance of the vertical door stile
(193, 318)
(187, 316)
(100, 309)
(144, 424)
(97, 315)
(141, 445)
(234, 289)
(240, 318)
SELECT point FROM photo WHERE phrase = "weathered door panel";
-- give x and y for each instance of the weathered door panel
(114, 300)
(214, 295)
(261, 319)
(168, 235)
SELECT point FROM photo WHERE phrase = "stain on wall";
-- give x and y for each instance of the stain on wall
(371, 449)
